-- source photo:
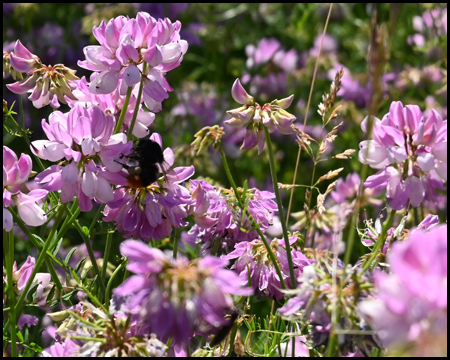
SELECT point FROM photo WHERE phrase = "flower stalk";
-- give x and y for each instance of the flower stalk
(263, 238)
(280, 206)
(380, 242)
(8, 243)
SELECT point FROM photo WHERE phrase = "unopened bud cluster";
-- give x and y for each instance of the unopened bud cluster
(209, 135)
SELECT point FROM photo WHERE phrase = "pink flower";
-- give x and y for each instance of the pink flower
(412, 153)
(217, 217)
(411, 303)
(15, 174)
(83, 139)
(252, 262)
(152, 211)
(124, 45)
(177, 298)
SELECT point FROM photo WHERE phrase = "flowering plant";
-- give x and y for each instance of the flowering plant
(147, 219)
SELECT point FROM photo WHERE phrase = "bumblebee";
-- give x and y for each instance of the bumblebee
(148, 158)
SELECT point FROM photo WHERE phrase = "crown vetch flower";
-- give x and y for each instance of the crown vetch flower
(84, 142)
(113, 104)
(47, 84)
(253, 117)
(177, 298)
(410, 305)
(252, 257)
(412, 153)
(15, 173)
(125, 44)
(152, 211)
(219, 218)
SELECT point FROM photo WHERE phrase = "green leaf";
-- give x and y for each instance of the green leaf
(69, 255)
(50, 295)
(31, 296)
(66, 297)
(80, 265)
(38, 239)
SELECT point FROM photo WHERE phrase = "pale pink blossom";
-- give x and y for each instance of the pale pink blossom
(411, 152)
(124, 45)
(82, 141)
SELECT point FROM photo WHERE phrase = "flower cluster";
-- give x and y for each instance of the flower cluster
(151, 212)
(130, 48)
(409, 309)
(253, 117)
(177, 298)
(219, 222)
(320, 287)
(253, 262)
(112, 335)
(412, 153)
(47, 84)
(15, 174)
(84, 142)
(431, 24)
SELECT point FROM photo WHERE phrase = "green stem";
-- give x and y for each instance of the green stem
(176, 235)
(124, 110)
(88, 244)
(308, 219)
(22, 113)
(114, 274)
(232, 339)
(380, 242)
(332, 343)
(69, 220)
(355, 215)
(8, 243)
(280, 206)
(37, 245)
(250, 217)
(416, 216)
(336, 315)
(106, 255)
(94, 220)
(138, 102)
(39, 261)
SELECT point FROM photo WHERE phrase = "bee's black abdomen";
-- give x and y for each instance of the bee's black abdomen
(148, 154)
(149, 174)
